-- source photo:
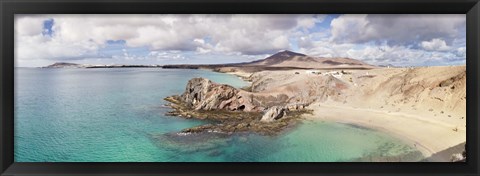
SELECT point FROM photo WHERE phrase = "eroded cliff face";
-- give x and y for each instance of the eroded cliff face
(233, 110)
(203, 94)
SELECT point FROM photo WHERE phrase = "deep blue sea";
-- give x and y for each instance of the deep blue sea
(117, 115)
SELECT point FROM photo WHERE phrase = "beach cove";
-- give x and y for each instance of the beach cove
(387, 100)
(127, 123)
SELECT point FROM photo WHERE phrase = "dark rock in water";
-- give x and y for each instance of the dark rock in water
(358, 126)
(413, 156)
(392, 152)
(215, 153)
(243, 139)
(191, 142)
(409, 155)
(273, 113)
(205, 128)
(229, 128)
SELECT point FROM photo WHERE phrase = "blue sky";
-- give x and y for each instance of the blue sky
(403, 40)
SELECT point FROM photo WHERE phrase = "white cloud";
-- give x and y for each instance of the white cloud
(397, 29)
(435, 45)
(377, 39)
(29, 26)
(382, 54)
(461, 52)
(351, 28)
(42, 47)
(81, 35)
(392, 39)
(159, 56)
(307, 21)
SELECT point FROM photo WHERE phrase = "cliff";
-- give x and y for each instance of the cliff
(233, 110)
(203, 94)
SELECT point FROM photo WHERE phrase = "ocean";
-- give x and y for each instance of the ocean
(117, 115)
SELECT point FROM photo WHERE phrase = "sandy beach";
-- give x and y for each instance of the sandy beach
(424, 106)
(428, 136)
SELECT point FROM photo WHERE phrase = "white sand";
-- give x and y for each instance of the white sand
(428, 136)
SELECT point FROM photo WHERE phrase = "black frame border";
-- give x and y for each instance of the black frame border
(10, 7)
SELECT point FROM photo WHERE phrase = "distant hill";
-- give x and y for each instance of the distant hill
(74, 65)
(291, 59)
(65, 65)
(278, 58)
(283, 60)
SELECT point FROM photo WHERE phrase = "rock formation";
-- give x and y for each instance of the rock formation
(273, 113)
(203, 94)
(233, 110)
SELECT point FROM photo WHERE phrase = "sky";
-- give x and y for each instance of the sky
(400, 40)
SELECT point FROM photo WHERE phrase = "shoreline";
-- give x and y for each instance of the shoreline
(243, 76)
(428, 138)
(240, 74)
(425, 131)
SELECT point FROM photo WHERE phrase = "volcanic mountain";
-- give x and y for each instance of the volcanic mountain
(291, 59)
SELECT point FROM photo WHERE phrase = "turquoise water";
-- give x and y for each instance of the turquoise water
(117, 115)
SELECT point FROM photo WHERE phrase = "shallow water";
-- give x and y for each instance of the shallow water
(108, 115)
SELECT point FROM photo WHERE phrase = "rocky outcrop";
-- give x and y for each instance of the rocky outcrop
(233, 110)
(274, 113)
(228, 122)
(203, 94)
